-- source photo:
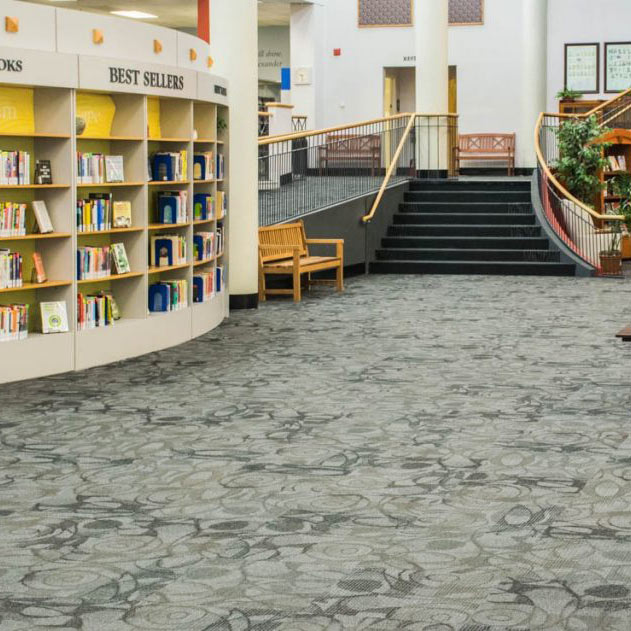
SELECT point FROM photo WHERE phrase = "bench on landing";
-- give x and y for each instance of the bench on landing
(486, 147)
(284, 250)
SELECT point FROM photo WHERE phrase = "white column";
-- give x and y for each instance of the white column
(432, 81)
(234, 48)
(534, 24)
(307, 45)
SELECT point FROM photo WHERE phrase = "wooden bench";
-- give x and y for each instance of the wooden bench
(625, 334)
(349, 150)
(486, 147)
(284, 249)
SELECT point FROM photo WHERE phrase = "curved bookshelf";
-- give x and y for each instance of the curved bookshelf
(138, 331)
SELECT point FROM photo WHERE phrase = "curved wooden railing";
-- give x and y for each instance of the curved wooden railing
(584, 230)
(393, 165)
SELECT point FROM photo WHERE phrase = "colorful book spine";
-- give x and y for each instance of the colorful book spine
(12, 219)
(204, 246)
(10, 269)
(94, 311)
(94, 214)
(16, 168)
(90, 168)
(13, 322)
(170, 166)
(167, 250)
(169, 295)
(222, 204)
(93, 262)
(203, 286)
(220, 167)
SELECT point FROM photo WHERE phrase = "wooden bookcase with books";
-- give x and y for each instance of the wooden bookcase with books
(102, 147)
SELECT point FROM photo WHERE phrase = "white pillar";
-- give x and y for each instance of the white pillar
(234, 48)
(432, 81)
(307, 46)
(534, 24)
(432, 62)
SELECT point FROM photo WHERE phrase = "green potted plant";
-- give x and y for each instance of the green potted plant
(611, 258)
(566, 95)
(581, 158)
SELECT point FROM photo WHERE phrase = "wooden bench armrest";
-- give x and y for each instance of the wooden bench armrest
(263, 246)
(338, 243)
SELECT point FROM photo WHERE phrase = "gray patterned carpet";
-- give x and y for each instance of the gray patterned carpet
(419, 453)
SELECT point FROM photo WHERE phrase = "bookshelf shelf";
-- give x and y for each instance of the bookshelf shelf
(112, 184)
(110, 138)
(4, 134)
(167, 226)
(112, 231)
(212, 259)
(31, 286)
(26, 187)
(168, 268)
(168, 182)
(38, 237)
(154, 139)
(119, 128)
(107, 279)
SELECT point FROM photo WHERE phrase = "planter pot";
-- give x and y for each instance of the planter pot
(610, 264)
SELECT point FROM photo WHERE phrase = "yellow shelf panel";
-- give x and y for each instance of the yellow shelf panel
(212, 259)
(5, 134)
(162, 226)
(31, 186)
(125, 138)
(167, 182)
(206, 141)
(198, 222)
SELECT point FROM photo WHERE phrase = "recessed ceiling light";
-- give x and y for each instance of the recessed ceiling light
(137, 15)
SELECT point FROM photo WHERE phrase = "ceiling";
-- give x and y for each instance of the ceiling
(172, 13)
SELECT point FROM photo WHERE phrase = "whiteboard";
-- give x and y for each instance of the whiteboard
(581, 67)
(617, 66)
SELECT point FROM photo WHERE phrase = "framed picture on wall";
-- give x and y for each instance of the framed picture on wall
(582, 68)
(375, 13)
(617, 66)
(466, 12)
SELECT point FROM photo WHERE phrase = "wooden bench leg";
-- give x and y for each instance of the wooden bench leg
(339, 277)
(262, 294)
(297, 288)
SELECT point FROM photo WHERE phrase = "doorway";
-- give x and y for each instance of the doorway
(399, 93)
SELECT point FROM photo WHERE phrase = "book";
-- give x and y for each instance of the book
(203, 206)
(42, 217)
(39, 273)
(15, 168)
(203, 166)
(14, 322)
(95, 311)
(122, 215)
(119, 255)
(114, 171)
(12, 219)
(172, 207)
(203, 286)
(10, 269)
(93, 262)
(54, 317)
(167, 250)
(171, 295)
(43, 172)
(169, 166)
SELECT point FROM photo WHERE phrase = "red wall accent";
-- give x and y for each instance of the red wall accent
(203, 20)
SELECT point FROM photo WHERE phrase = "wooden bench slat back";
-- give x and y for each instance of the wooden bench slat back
(352, 144)
(277, 242)
(487, 143)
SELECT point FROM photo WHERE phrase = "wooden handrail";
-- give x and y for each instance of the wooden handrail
(330, 130)
(391, 168)
(563, 192)
(605, 104)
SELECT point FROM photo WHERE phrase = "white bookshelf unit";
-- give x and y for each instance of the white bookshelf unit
(192, 119)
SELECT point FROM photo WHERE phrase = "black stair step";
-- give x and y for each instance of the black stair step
(459, 254)
(455, 230)
(483, 219)
(519, 208)
(471, 185)
(498, 268)
(467, 196)
(466, 243)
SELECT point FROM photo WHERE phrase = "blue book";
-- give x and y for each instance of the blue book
(200, 205)
(167, 209)
(199, 167)
(159, 298)
(163, 168)
(163, 252)
(198, 289)
(219, 280)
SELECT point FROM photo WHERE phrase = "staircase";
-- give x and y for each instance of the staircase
(468, 227)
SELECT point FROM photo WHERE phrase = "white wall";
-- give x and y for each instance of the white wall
(488, 58)
(273, 52)
(583, 21)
